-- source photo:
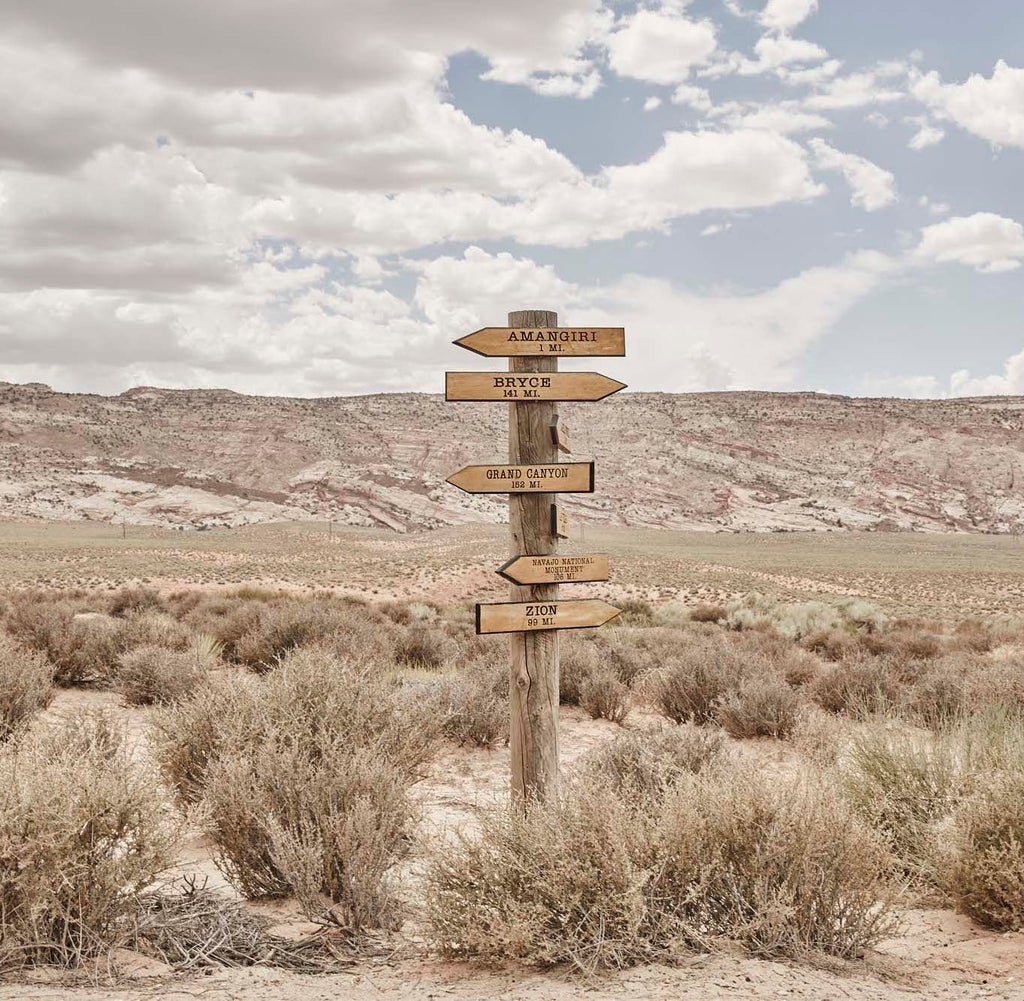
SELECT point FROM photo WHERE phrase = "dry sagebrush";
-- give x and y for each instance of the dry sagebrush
(25, 686)
(84, 830)
(305, 777)
(602, 880)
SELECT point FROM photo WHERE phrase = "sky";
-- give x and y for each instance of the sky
(314, 198)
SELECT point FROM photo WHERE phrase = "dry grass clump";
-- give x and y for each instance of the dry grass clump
(578, 660)
(708, 613)
(84, 831)
(473, 704)
(151, 674)
(281, 628)
(564, 883)
(305, 778)
(81, 647)
(643, 767)
(759, 707)
(604, 696)
(905, 786)
(153, 628)
(636, 612)
(688, 687)
(26, 686)
(782, 867)
(601, 880)
(134, 599)
(858, 687)
(987, 875)
(423, 647)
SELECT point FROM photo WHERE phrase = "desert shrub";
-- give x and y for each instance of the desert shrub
(643, 767)
(81, 647)
(987, 873)
(332, 824)
(423, 647)
(152, 628)
(26, 685)
(804, 619)
(597, 879)
(904, 786)
(604, 696)
(759, 707)
(151, 674)
(473, 704)
(228, 621)
(280, 628)
(819, 736)
(782, 867)
(579, 659)
(134, 599)
(563, 883)
(222, 715)
(635, 612)
(857, 687)
(688, 686)
(84, 831)
(940, 693)
(708, 613)
(304, 777)
(831, 644)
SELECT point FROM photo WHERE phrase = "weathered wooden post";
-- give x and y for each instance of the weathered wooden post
(533, 681)
(534, 476)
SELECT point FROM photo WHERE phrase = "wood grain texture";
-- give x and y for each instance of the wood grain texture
(498, 387)
(583, 342)
(510, 617)
(534, 655)
(524, 478)
(555, 569)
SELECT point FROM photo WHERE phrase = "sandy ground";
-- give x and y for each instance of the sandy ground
(938, 954)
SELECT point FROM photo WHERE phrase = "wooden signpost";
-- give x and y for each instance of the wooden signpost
(497, 387)
(508, 342)
(517, 616)
(554, 569)
(533, 386)
(563, 477)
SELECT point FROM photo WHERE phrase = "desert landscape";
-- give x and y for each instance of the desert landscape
(862, 686)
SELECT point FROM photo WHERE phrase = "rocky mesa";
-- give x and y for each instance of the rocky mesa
(715, 461)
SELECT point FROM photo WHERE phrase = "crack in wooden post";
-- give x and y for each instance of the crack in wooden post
(534, 655)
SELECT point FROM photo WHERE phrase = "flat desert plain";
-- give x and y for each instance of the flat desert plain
(905, 573)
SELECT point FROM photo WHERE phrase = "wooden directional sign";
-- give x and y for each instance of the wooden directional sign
(523, 570)
(560, 524)
(526, 616)
(465, 387)
(560, 436)
(551, 478)
(507, 342)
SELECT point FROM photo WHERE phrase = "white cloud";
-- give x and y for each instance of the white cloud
(989, 107)
(785, 117)
(871, 187)
(905, 387)
(651, 103)
(715, 228)
(925, 136)
(785, 15)
(695, 97)
(852, 91)
(660, 46)
(1009, 383)
(934, 208)
(780, 50)
(987, 242)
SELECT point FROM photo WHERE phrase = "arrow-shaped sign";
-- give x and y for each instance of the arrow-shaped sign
(560, 524)
(552, 478)
(525, 570)
(516, 617)
(508, 387)
(506, 342)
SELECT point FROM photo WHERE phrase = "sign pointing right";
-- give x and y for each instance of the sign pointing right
(517, 617)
